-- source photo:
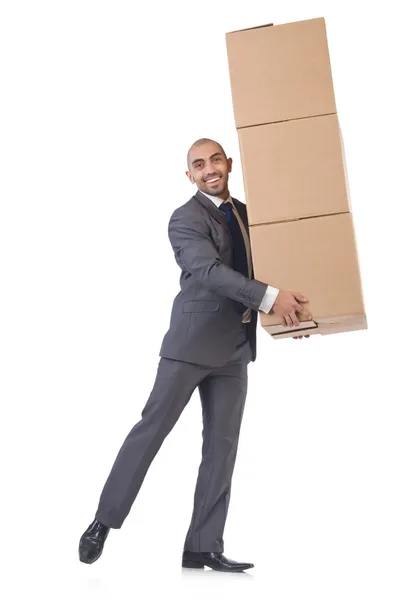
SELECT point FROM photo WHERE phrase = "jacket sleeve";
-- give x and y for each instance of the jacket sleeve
(196, 253)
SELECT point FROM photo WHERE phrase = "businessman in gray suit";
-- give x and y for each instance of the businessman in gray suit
(209, 343)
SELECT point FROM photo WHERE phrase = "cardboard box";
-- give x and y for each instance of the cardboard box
(299, 211)
(293, 169)
(280, 72)
(318, 258)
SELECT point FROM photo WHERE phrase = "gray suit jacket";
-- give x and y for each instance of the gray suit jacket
(205, 325)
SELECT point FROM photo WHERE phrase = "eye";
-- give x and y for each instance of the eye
(217, 159)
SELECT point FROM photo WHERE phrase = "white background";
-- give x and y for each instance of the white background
(99, 104)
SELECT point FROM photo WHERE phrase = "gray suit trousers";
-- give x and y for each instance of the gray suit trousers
(222, 392)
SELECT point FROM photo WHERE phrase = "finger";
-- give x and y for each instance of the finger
(288, 321)
(300, 297)
(303, 311)
(294, 318)
(307, 335)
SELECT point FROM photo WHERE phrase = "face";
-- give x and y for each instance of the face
(209, 169)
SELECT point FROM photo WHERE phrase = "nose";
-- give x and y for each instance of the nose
(208, 170)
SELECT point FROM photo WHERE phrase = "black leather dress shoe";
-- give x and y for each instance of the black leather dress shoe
(214, 560)
(92, 541)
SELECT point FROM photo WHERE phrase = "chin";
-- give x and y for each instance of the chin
(216, 191)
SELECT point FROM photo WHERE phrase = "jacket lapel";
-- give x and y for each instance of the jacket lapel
(214, 210)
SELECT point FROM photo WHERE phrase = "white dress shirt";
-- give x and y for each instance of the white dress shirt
(271, 293)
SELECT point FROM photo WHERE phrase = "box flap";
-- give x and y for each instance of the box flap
(249, 28)
(275, 329)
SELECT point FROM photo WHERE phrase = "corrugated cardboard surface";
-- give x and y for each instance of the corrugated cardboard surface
(293, 169)
(280, 72)
(316, 257)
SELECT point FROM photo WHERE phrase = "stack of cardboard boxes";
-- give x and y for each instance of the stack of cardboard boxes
(299, 213)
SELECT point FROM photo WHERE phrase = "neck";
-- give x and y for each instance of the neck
(225, 195)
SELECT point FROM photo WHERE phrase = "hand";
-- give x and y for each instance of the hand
(286, 306)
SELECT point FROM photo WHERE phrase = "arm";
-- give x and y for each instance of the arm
(195, 252)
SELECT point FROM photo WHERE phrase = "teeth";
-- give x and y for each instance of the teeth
(212, 180)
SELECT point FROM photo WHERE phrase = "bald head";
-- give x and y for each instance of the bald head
(199, 143)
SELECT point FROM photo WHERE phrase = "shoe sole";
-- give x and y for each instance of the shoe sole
(190, 564)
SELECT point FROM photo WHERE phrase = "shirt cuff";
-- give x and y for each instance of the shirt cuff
(269, 299)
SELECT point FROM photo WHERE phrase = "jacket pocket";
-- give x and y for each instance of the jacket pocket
(200, 306)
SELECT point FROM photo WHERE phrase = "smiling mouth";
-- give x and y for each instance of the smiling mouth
(213, 180)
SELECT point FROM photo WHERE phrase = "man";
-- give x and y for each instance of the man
(210, 341)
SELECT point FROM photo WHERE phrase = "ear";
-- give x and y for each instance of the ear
(229, 165)
(190, 176)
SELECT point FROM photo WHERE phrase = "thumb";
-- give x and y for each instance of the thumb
(300, 297)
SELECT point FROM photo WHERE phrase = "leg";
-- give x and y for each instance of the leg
(223, 395)
(174, 385)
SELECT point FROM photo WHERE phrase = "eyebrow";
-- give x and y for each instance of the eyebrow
(197, 160)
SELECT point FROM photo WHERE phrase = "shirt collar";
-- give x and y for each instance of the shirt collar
(217, 201)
